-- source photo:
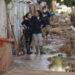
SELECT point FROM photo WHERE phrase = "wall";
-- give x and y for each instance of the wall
(19, 9)
(3, 20)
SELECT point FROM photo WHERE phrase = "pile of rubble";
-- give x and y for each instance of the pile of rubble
(63, 28)
(72, 65)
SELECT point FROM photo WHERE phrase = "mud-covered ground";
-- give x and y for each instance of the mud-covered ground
(58, 43)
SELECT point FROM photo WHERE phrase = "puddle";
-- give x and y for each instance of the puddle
(35, 62)
(58, 63)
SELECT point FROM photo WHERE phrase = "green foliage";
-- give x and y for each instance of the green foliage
(62, 12)
(69, 2)
(66, 2)
(8, 1)
(59, 1)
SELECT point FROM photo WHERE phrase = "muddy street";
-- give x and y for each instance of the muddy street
(56, 45)
(39, 62)
(37, 37)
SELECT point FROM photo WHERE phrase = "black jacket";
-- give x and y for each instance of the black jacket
(46, 17)
(37, 24)
(28, 23)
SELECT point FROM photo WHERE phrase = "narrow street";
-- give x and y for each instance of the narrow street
(54, 48)
(41, 62)
(37, 37)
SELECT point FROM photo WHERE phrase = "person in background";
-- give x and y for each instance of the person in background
(30, 2)
(52, 16)
(52, 12)
(27, 24)
(39, 2)
(46, 17)
(37, 32)
(57, 14)
(73, 26)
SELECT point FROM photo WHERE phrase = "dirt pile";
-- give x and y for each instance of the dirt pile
(71, 63)
(67, 48)
(56, 31)
(63, 30)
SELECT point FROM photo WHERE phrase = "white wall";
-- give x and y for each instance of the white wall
(3, 20)
(21, 9)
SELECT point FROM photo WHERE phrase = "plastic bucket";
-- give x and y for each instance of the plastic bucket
(5, 54)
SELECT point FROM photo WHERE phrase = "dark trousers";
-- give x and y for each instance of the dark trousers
(28, 39)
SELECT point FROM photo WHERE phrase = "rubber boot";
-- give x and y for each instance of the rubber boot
(28, 49)
(37, 50)
(41, 50)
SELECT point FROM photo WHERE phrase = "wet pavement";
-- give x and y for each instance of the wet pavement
(38, 62)
(31, 62)
(55, 44)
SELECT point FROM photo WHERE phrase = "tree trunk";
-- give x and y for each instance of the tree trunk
(54, 5)
(3, 19)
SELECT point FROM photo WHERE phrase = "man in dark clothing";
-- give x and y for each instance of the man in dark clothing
(46, 15)
(39, 2)
(27, 24)
(46, 19)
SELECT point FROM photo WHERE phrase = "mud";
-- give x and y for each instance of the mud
(32, 62)
(58, 43)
